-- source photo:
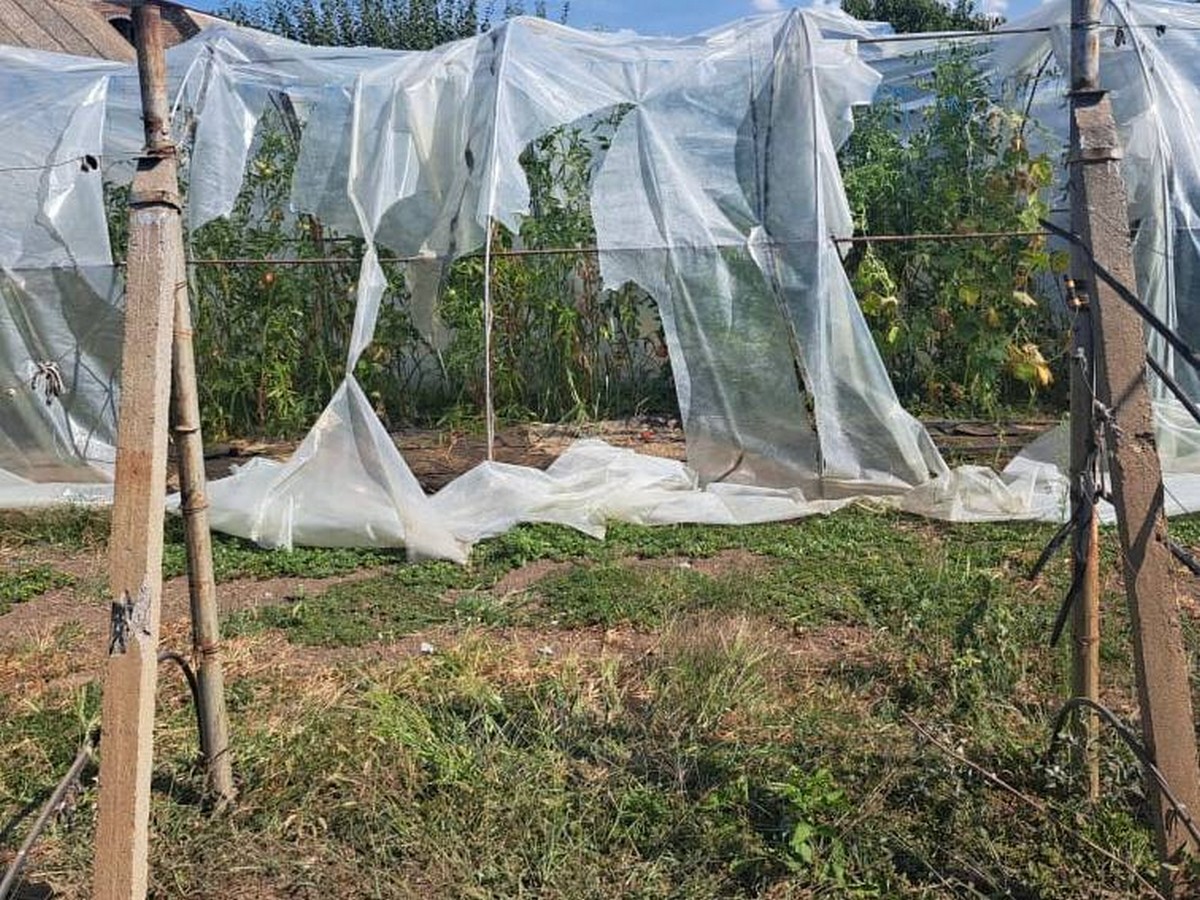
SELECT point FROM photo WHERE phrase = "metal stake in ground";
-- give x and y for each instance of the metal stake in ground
(1099, 199)
(120, 869)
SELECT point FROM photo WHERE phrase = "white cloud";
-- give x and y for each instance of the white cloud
(767, 5)
(994, 7)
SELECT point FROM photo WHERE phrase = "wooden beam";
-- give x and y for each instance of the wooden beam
(121, 865)
(1098, 197)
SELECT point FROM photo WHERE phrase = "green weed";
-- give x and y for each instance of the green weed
(28, 582)
(697, 712)
(376, 609)
(237, 558)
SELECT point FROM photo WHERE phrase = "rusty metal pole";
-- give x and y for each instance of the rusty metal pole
(1100, 211)
(121, 864)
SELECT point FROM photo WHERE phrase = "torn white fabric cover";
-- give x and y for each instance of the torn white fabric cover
(59, 295)
(1150, 65)
(718, 196)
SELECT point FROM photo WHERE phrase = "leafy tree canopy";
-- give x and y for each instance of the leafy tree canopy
(394, 24)
(910, 16)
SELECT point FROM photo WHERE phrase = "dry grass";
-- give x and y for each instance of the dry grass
(679, 712)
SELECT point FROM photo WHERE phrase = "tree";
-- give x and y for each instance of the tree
(912, 16)
(393, 24)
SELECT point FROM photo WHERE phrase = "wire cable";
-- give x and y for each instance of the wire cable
(52, 807)
(1178, 344)
(1131, 740)
(88, 162)
(517, 253)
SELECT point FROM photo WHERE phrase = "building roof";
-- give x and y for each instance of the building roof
(179, 21)
(61, 26)
(90, 27)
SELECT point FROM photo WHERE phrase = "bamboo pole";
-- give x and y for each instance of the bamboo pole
(1085, 660)
(1085, 619)
(202, 588)
(489, 319)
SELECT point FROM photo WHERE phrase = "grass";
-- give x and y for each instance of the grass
(62, 528)
(26, 582)
(235, 558)
(84, 530)
(674, 712)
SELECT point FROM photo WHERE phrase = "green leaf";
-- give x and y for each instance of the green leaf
(800, 843)
(1041, 172)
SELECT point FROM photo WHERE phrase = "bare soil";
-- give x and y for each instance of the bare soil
(438, 457)
(78, 615)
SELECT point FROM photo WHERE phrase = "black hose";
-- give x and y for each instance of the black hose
(193, 685)
(87, 752)
(1056, 542)
(1131, 299)
(1184, 556)
(1174, 388)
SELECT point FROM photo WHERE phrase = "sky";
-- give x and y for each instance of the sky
(680, 17)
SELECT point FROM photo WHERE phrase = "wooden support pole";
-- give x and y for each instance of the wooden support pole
(202, 585)
(1098, 198)
(1085, 620)
(489, 317)
(120, 868)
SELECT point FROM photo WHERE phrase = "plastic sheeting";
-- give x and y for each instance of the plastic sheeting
(59, 296)
(718, 196)
(1150, 66)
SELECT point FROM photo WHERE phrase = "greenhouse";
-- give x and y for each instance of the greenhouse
(716, 191)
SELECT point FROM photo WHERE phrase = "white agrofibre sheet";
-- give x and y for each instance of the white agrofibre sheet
(1150, 67)
(718, 195)
(59, 312)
